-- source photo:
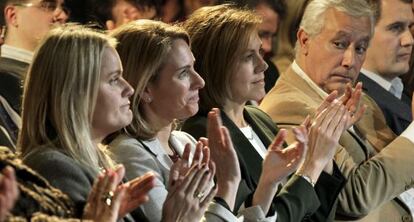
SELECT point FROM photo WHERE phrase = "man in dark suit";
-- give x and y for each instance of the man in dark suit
(26, 23)
(388, 58)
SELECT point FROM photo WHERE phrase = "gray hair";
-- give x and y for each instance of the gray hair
(314, 16)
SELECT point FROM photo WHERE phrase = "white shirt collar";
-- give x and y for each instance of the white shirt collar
(308, 80)
(396, 83)
(11, 52)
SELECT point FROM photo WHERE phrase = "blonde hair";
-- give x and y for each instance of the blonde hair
(218, 35)
(143, 47)
(60, 94)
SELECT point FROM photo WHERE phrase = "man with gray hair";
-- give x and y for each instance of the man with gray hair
(332, 41)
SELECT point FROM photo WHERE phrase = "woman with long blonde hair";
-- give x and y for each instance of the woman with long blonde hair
(74, 96)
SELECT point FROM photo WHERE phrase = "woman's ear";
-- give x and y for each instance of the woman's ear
(147, 94)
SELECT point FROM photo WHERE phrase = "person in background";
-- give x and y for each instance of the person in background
(233, 68)
(286, 38)
(26, 23)
(382, 68)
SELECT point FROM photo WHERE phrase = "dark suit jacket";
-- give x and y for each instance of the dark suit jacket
(292, 203)
(271, 75)
(12, 72)
(397, 112)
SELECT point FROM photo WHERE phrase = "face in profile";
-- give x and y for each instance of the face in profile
(390, 49)
(247, 80)
(267, 28)
(334, 57)
(112, 109)
(174, 92)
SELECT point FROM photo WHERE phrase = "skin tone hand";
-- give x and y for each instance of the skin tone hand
(278, 164)
(8, 191)
(97, 208)
(352, 101)
(224, 155)
(184, 202)
(324, 135)
(136, 192)
(201, 156)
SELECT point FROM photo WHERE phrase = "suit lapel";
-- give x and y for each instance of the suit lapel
(398, 107)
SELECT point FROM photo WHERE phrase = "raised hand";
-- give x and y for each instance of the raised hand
(8, 191)
(105, 198)
(278, 164)
(352, 101)
(224, 156)
(324, 134)
(187, 199)
(136, 192)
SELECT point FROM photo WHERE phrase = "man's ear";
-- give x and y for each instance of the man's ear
(303, 40)
(10, 15)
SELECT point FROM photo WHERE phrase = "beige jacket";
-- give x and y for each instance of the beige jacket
(377, 169)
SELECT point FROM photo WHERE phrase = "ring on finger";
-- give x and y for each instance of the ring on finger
(107, 198)
(199, 195)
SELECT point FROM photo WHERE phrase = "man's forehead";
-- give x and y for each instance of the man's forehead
(343, 25)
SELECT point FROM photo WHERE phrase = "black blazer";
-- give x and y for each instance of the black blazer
(297, 200)
(12, 72)
(397, 112)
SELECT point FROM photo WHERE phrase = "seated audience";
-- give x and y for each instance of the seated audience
(26, 196)
(159, 64)
(233, 69)
(332, 42)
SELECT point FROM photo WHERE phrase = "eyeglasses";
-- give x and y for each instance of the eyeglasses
(50, 6)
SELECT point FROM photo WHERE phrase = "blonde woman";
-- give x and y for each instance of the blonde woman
(74, 96)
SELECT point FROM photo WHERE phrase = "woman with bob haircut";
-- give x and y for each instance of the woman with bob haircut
(228, 55)
(158, 63)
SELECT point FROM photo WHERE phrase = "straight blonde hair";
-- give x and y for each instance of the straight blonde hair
(60, 94)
